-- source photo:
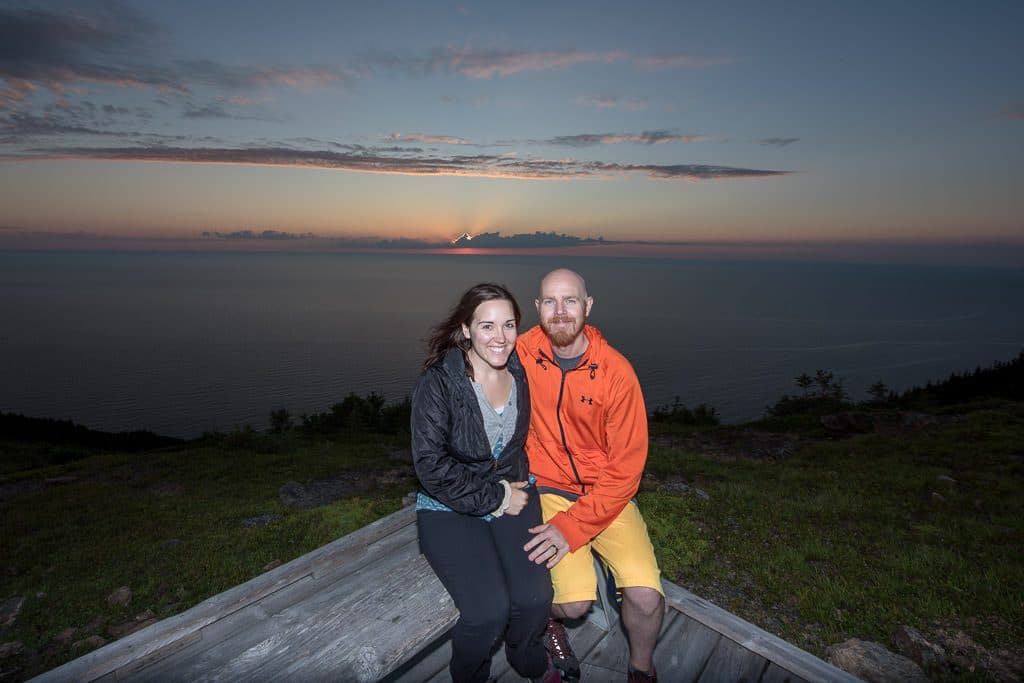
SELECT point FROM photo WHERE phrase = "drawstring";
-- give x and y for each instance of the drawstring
(593, 370)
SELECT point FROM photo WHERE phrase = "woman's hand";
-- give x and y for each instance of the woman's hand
(517, 501)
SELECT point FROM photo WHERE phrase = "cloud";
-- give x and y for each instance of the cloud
(428, 139)
(487, 64)
(55, 49)
(778, 142)
(653, 137)
(243, 77)
(263, 235)
(610, 102)
(397, 161)
(659, 62)
(1014, 112)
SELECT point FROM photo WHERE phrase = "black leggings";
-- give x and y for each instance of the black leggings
(497, 590)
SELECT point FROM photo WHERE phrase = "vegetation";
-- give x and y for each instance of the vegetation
(834, 537)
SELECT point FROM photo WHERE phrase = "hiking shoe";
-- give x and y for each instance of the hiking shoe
(556, 642)
(552, 675)
(635, 676)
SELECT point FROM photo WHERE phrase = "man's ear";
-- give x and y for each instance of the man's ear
(590, 303)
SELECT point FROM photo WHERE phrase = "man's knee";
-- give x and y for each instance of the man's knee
(574, 610)
(643, 600)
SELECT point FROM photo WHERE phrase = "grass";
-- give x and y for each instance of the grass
(841, 538)
(854, 537)
(166, 524)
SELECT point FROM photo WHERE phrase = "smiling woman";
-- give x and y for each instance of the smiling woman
(470, 414)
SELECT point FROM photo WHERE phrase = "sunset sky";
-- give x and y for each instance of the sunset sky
(791, 124)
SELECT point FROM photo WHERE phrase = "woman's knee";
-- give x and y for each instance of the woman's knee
(485, 619)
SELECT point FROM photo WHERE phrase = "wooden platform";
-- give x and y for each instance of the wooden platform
(367, 607)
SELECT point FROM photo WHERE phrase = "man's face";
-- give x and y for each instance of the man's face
(563, 308)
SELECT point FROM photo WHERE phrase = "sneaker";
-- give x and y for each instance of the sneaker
(556, 642)
(552, 675)
(635, 676)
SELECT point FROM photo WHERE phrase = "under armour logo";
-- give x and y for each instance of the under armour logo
(588, 401)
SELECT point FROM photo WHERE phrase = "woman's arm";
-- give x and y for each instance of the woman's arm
(443, 476)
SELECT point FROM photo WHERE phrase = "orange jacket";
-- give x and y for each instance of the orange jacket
(588, 431)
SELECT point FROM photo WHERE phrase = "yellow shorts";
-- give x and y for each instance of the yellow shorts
(624, 547)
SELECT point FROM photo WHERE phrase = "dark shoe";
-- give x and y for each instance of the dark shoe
(635, 676)
(552, 675)
(556, 641)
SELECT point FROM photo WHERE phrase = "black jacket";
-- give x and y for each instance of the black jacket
(449, 445)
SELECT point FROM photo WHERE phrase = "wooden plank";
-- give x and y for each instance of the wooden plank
(358, 629)
(159, 637)
(731, 662)
(786, 655)
(776, 674)
(429, 662)
(684, 649)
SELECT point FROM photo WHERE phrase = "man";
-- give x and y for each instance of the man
(587, 447)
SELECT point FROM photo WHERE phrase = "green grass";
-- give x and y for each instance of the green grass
(166, 524)
(842, 538)
(847, 537)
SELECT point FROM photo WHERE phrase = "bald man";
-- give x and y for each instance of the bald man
(587, 447)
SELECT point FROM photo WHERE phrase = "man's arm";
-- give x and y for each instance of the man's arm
(626, 436)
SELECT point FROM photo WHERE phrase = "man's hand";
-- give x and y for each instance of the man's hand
(517, 501)
(548, 544)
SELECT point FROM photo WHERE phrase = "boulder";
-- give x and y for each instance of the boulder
(121, 597)
(910, 643)
(10, 609)
(873, 662)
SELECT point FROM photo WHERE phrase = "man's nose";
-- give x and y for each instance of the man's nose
(560, 307)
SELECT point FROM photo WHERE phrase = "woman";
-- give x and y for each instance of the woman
(470, 414)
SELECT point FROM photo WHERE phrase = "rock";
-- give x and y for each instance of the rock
(10, 609)
(260, 520)
(90, 643)
(910, 643)
(121, 597)
(938, 497)
(873, 663)
(849, 423)
(12, 648)
(65, 636)
(945, 479)
(324, 491)
(408, 499)
(139, 622)
(273, 564)
(681, 489)
(55, 481)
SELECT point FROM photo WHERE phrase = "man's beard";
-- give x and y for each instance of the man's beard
(562, 336)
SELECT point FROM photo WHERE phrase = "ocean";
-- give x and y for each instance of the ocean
(185, 342)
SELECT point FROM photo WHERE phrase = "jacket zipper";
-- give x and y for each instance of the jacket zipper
(561, 427)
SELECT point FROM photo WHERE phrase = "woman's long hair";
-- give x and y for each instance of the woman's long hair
(448, 334)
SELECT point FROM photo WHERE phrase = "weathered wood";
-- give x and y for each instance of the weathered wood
(368, 607)
(356, 629)
(730, 662)
(771, 647)
(776, 674)
(684, 649)
(161, 636)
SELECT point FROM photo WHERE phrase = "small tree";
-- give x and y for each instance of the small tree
(280, 421)
(804, 381)
(878, 391)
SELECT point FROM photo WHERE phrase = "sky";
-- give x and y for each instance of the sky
(781, 128)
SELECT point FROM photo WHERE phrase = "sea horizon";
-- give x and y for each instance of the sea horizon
(180, 343)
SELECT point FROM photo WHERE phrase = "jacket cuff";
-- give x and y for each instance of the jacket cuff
(573, 536)
(505, 500)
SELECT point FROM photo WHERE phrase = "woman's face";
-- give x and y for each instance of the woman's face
(492, 333)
